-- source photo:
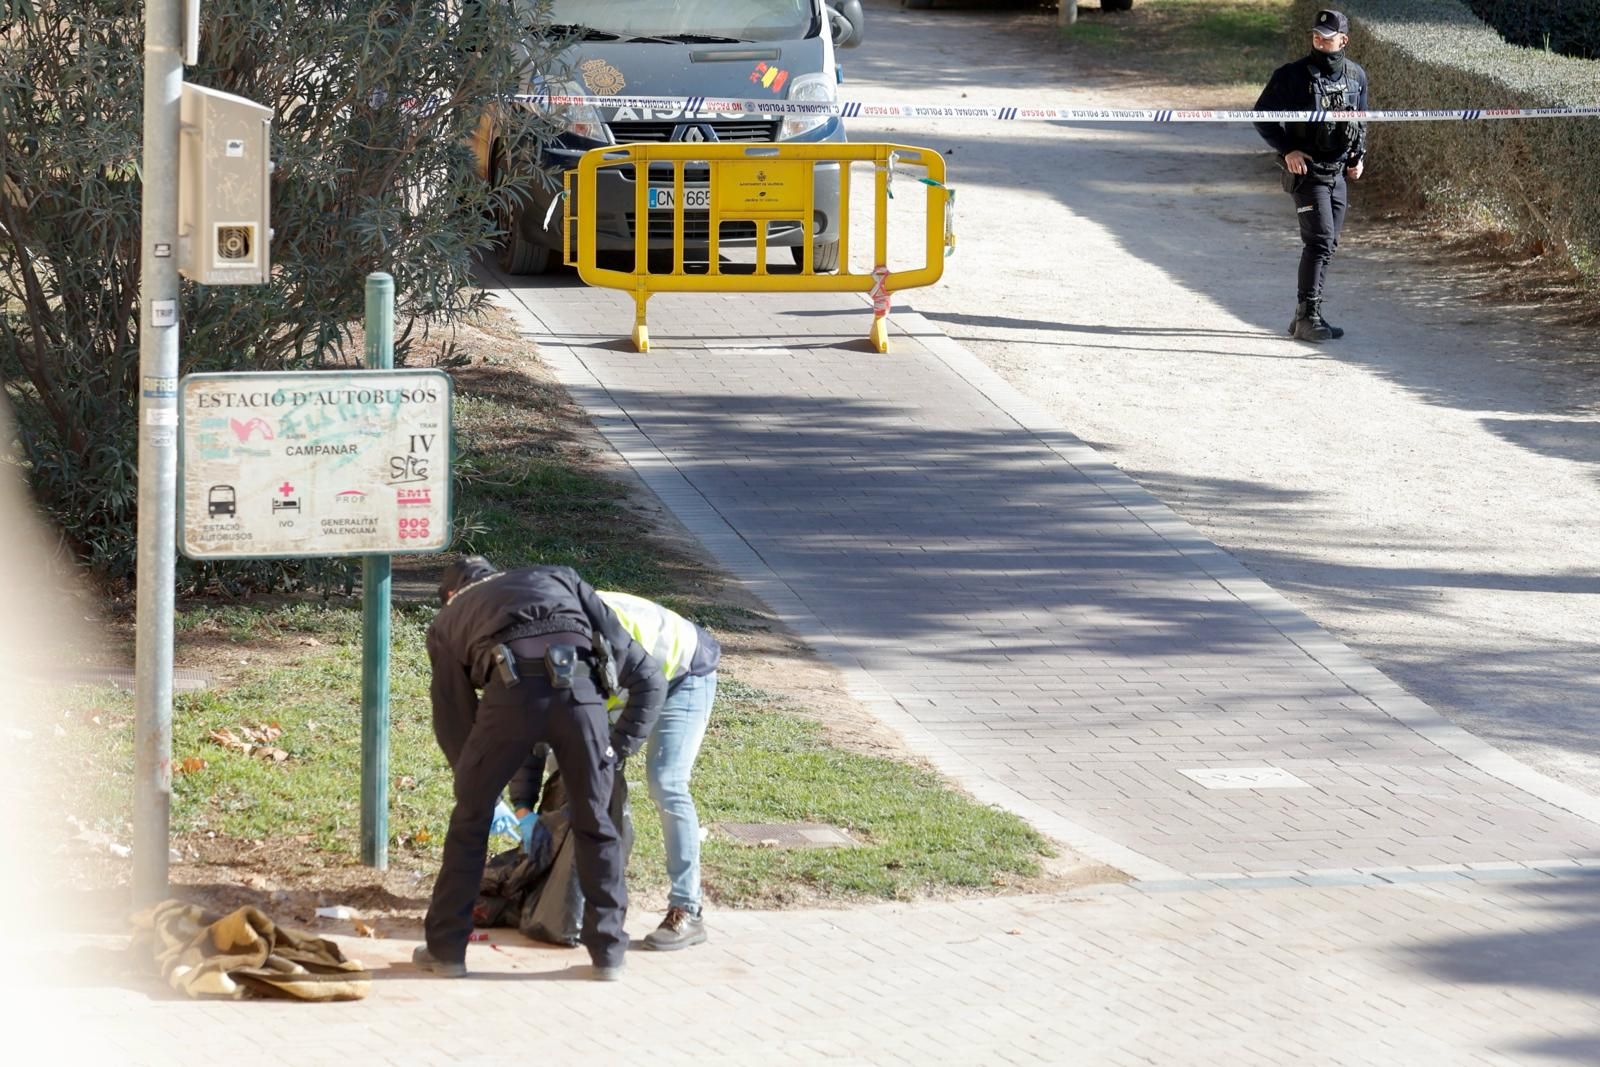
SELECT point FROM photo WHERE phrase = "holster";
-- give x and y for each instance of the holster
(1288, 178)
(505, 666)
(560, 665)
(606, 666)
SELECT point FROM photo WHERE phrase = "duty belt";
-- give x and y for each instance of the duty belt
(534, 648)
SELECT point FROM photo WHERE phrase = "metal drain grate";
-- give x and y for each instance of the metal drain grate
(788, 834)
(183, 681)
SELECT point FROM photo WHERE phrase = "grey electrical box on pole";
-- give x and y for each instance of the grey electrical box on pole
(223, 175)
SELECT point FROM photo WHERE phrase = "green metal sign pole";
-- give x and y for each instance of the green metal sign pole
(375, 621)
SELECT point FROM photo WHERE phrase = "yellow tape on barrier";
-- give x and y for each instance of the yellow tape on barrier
(771, 187)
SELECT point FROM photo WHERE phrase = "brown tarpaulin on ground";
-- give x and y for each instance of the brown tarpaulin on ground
(243, 954)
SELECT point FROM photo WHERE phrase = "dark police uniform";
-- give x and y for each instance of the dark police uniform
(1317, 82)
(487, 738)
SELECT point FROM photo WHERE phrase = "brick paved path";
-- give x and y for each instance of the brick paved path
(1032, 620)
(1442, 973)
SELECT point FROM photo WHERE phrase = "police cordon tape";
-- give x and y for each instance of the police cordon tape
(698, 106)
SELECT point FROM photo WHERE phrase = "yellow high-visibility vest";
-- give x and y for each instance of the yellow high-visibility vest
(666, 635)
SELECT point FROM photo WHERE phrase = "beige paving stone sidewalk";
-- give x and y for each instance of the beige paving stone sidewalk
(1447, 972)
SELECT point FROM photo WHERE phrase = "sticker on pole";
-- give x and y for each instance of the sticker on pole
(316, 463)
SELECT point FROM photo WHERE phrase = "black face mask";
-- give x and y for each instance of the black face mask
(1330, 63)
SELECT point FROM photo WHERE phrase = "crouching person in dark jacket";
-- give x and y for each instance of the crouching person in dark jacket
(530, 642)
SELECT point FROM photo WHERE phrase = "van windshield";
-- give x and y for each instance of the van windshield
(696, 20)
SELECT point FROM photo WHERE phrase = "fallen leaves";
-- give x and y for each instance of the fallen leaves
(190, 764)
(405, 840)
(254, 741)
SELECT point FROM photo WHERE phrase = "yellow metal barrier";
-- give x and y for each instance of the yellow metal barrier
(759, 184)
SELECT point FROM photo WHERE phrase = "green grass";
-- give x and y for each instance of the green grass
(1247, 27)
(763, 759)
(761, 762)
(244, 622)
(1093, 33)
(1201, 43)
(315, 700)
(518, 505)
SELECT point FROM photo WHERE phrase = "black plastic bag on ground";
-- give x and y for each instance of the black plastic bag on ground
(554, 913)
(538, 893)
(513, 878)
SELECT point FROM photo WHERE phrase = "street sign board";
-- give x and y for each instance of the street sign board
(314, 463)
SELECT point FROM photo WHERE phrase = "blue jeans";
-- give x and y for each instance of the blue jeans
(674, 744)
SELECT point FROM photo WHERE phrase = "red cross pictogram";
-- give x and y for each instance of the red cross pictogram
(286, 489)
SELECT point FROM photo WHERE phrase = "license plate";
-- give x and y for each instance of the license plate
(695, 198)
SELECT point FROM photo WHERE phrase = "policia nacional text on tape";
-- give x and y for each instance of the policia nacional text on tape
(690, 106)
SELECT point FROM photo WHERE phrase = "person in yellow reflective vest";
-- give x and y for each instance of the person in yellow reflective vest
(688, 655)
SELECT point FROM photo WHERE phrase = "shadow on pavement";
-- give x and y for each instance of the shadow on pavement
(1007, 323)
(1550, 686)
(914, 525)
(1560, 955)
(1573, 441)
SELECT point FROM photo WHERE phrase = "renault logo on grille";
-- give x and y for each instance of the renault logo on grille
(697, 134)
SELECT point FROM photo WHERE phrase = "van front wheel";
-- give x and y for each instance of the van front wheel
(518, 255)
(824, 256)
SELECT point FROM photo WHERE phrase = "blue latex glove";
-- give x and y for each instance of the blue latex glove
(525, 827)
(505, 821)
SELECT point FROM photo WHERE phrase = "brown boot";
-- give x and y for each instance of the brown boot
(680, 929)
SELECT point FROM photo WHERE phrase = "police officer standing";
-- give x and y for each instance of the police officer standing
(1316, 156)
(533, 641)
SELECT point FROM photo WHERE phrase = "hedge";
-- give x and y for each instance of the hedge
(1571, 27)
(1537, 178)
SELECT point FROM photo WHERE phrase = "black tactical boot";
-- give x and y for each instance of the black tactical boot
(1309, 325)
(1316, 310)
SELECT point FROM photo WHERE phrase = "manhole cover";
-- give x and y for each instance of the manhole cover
(1245, 778)
(788, 834)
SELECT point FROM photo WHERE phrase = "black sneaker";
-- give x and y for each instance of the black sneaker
(606, 972)
(425, 959)
(680, 929)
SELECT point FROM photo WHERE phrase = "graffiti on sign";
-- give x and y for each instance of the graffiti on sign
(325, 463)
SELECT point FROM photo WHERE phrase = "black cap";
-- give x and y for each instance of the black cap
(1331, 22)
(463, 571)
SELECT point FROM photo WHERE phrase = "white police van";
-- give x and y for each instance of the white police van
(725, 49)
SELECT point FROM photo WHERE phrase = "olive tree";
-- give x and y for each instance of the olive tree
(375, 104)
